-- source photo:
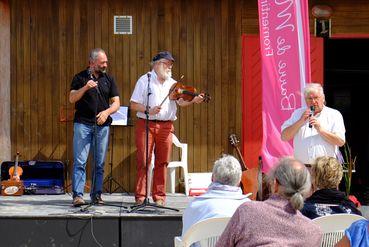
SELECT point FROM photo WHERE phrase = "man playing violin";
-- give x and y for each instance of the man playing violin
(161, 112)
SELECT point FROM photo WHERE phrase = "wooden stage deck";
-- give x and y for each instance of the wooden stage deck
(51, 220)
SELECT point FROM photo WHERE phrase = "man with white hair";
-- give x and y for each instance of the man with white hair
(316, 129)
(223, 196)
(152, 90)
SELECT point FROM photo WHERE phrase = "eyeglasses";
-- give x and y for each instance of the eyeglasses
(313, 98)
(168, 64)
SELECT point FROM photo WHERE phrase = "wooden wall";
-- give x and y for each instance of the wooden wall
(349, 17)
(5, 141)
(51, 40)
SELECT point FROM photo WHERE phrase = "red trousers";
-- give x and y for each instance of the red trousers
(160, 139)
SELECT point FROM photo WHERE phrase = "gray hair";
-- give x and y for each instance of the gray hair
(293, 179)
(314, 88)
(94, 53)
(227, 171)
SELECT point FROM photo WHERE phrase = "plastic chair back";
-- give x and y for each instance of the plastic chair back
(206, 232)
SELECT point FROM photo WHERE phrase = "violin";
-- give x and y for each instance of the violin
(15, 171)
(187, 93)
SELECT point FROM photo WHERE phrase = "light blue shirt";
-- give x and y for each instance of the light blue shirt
(219, 201)
(358, 233)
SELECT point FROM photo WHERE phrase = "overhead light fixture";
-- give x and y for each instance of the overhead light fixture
(322, 20)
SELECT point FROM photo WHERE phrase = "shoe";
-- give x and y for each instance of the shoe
(97, 200)
(139, 201)
(78, 201)
(160, 202)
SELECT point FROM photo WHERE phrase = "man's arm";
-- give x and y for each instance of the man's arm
(75, 95)
(198, 99)
(142, 108)
(330, 137)
(103, 115)
(289, 132)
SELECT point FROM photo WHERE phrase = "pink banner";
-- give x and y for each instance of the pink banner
(285, 48)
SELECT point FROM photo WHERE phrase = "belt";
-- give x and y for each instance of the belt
(156, 120)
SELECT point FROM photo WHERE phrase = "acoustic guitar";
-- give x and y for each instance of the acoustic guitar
(250, 177)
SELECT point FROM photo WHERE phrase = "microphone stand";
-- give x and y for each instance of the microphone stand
(84, 208)
(146, 202)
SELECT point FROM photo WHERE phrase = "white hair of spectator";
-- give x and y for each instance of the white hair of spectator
(227, 171)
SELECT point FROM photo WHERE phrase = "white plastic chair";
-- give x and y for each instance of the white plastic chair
(206, 232)
(334, 226)
(173, 164)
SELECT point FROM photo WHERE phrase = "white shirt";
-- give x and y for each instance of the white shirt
(308, 144)
(158, 93)
(218, 201)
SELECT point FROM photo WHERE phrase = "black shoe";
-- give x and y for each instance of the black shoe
(97, 200)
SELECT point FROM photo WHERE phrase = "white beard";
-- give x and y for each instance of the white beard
(167, 75)
(164, 74)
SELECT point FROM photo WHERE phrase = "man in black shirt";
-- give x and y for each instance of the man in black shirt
(92, 90)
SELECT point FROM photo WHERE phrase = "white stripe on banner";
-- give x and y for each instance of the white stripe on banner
(285, 53)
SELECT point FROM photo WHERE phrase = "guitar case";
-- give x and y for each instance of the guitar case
(12, 188)
(39, 177)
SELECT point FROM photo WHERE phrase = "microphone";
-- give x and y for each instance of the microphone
(89, 72)
(148, 83)
(312, 110)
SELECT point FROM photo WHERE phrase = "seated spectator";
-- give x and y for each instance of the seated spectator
(222, 197)
(356, 235)
(327, 199)
(276, 221)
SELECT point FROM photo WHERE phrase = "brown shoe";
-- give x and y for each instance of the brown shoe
(139, 201)
(160, 202)
(78, 201)
(98, 200)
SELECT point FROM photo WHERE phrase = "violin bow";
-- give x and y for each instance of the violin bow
(171, 90)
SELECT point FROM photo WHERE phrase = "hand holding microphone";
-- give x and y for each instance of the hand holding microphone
(92, 83)
(312, 110)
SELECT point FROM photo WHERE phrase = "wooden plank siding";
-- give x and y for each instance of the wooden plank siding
(50, 42)
(5, 97)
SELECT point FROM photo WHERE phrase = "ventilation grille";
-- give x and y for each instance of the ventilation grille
(123, 24)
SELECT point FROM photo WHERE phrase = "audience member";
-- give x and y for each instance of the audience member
(356, 235)
(222, 197)
(327, 199)
(276, 221)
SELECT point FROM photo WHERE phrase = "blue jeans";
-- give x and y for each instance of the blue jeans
(83, 140)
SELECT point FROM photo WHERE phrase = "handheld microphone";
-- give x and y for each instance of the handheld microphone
(89, 71)
(312, 110)
(148, 83)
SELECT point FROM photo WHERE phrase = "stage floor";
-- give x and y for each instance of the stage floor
(51, 220)
(116, 205)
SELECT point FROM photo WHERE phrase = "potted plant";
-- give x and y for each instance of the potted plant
(348, 165)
